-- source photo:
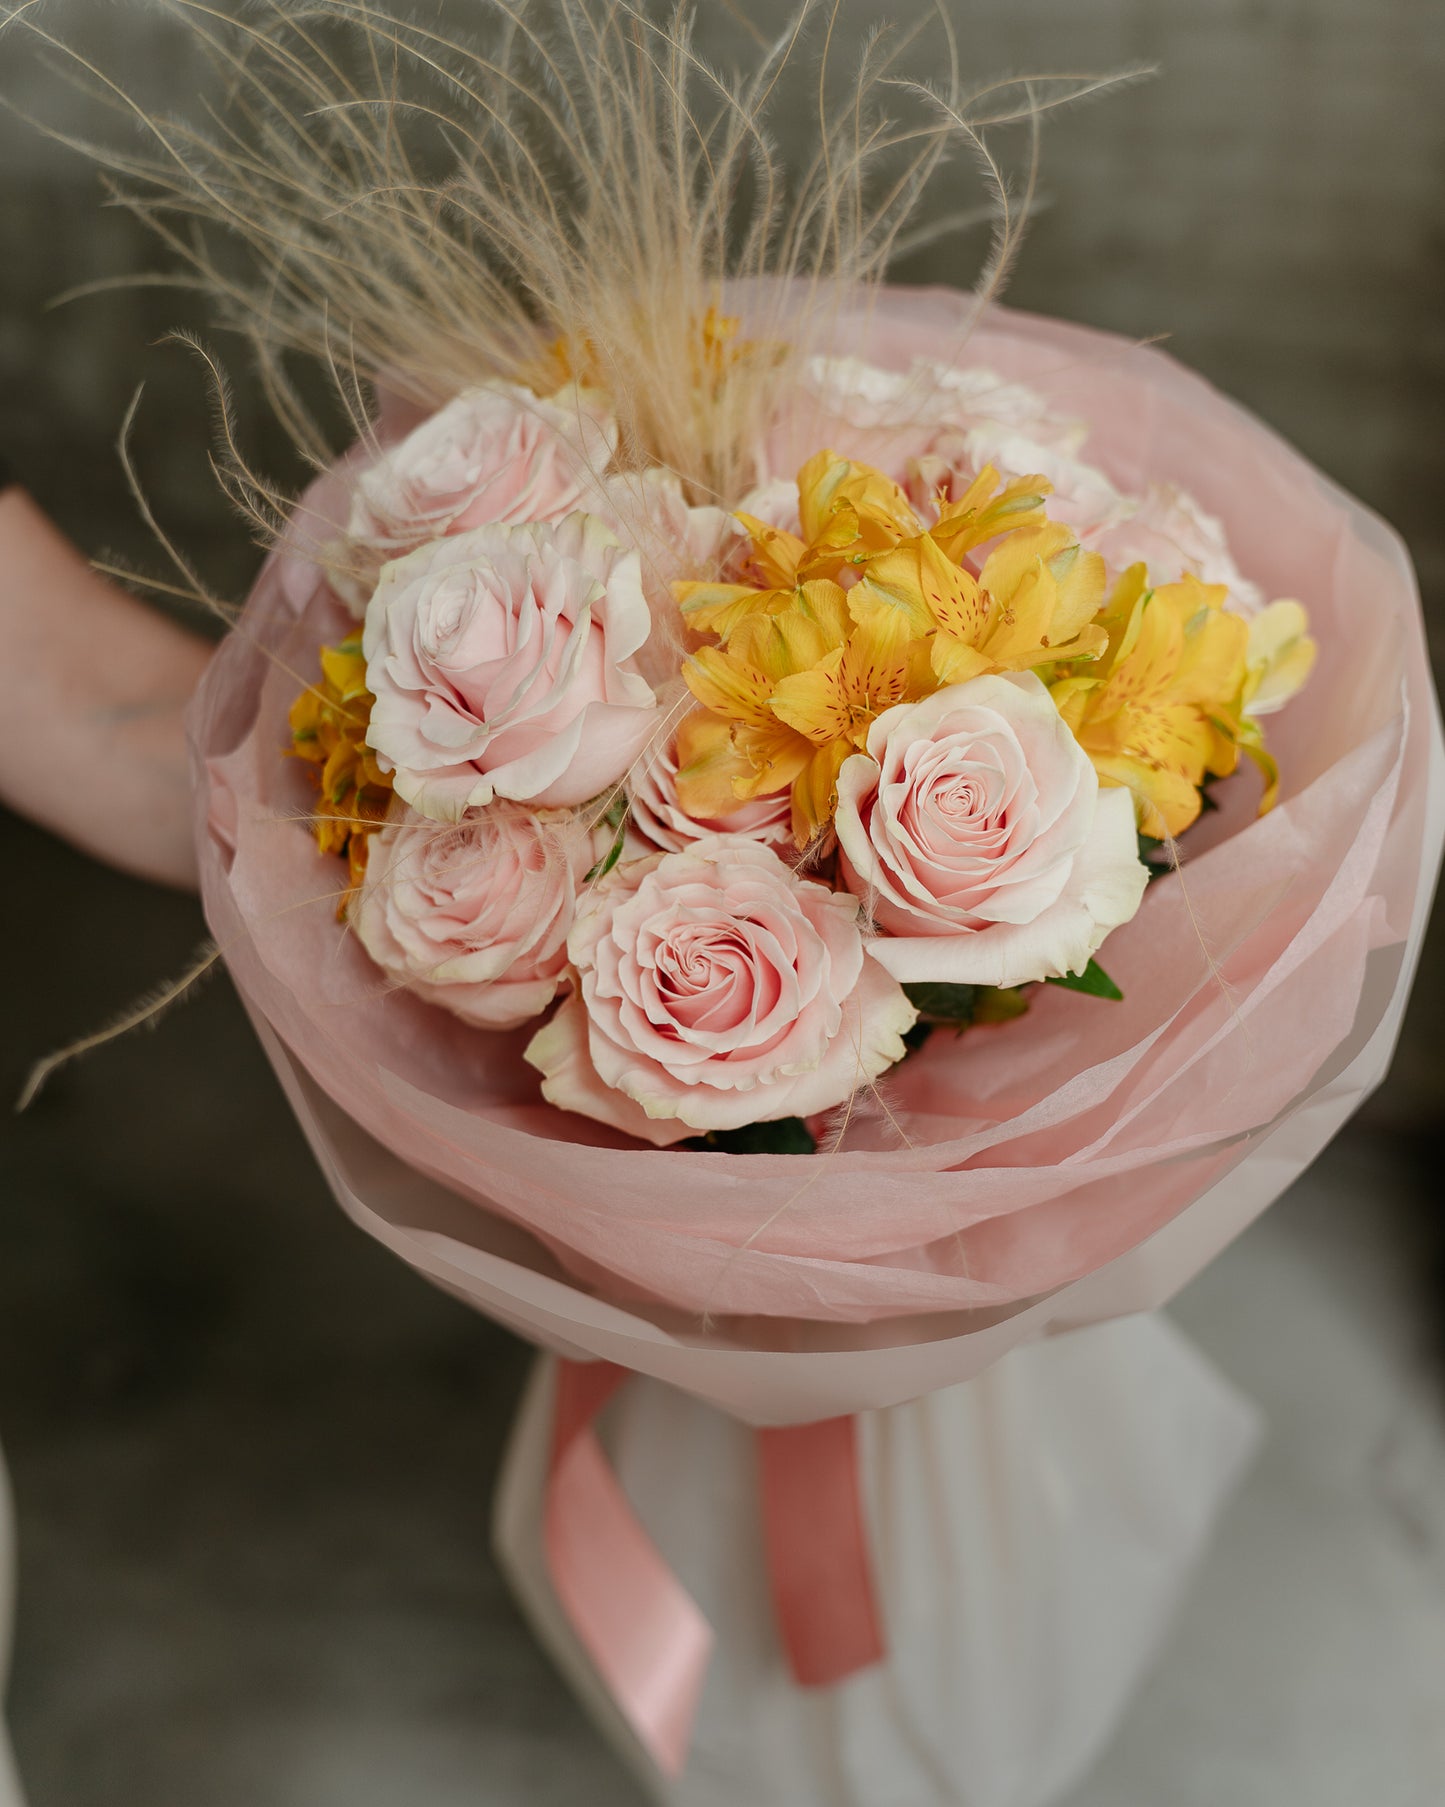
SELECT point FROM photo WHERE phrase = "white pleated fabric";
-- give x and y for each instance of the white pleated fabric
(1032, 1533)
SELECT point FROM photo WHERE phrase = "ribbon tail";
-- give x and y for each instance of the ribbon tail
(644, 1632)
(817, 1550)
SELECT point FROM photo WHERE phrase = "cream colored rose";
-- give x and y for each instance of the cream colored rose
(474, 916)
(977, 833)
(1171, 534)
(495, 455)
(715, 989)
(503, 664)
(893, 419)
(661, 821)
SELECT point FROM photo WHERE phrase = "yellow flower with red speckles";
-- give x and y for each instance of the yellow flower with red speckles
(1175, 698)
(328, 730)
(806, 665)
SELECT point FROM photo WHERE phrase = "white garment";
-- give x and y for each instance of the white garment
(1032, 1532)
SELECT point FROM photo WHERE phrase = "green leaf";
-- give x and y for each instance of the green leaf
(959, 1007)
(1093, 980)
(1000, 1004)
(953, 1004)
(614, 854)
(784, 1135)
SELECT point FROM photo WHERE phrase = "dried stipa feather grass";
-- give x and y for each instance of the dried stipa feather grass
(569, 193)
(146, 1012)
(580, 194)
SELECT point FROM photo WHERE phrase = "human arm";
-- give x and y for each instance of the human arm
(93, 687)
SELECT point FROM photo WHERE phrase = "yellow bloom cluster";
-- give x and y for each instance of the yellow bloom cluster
(1161, 687)
(328, 731)
(1170, 702)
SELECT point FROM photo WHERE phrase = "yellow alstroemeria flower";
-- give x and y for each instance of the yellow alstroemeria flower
(1280, 658)
(807, 666)
(328, 730)
(847, 512)
(842, 501)
(851, 514)
(800, 688)
(988, 508)
(1032, 604)
(1160, 710)
(714, 352)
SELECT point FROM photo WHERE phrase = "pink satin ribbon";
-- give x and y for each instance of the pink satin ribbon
(644, 1632)
(817, 1544)
(642, 1629)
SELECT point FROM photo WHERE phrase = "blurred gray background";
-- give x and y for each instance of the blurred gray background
(252, 1456)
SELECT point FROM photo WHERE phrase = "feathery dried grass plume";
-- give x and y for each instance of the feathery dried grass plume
(572, 191)
(568, 193)
(145, 1013)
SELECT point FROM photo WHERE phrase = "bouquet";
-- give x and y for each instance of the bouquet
(986, 1009)
(738, 808)
(786, 835)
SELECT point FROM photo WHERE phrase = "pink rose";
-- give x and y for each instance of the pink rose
(674, 539)
(977, 831)
(661, 820)
(1171, 534)
(933, 429)
(474, 916)
(716, 989)
(892, 418)
(503, 664)
(494, 455)
(775, 502)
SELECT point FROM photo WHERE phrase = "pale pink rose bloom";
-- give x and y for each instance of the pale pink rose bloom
(1171, 534)
(662, 823)
(981, 840)
(674, 540)
(933, 429)
(474, 915)
(775, 503)
(930, 394)
(715, 989)
(498, 454)
(503, 663)
(890, 418)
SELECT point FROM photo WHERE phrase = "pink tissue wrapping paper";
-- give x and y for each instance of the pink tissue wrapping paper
(1082, 1162)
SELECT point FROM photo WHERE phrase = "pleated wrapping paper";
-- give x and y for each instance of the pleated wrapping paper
(1077, 1164)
